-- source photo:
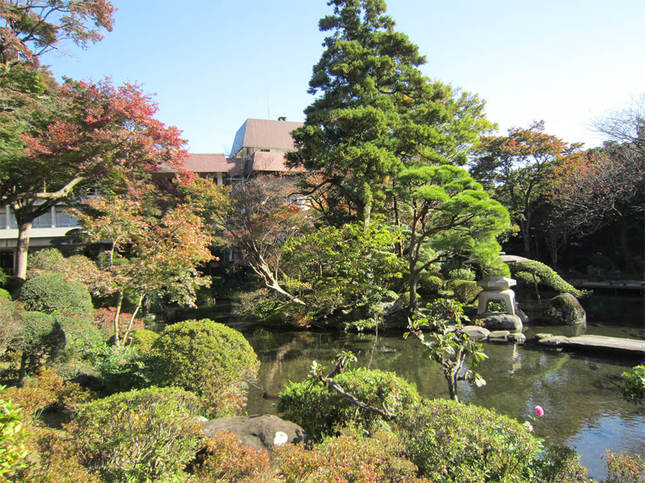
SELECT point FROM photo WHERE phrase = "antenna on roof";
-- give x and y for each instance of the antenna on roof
(268, 109)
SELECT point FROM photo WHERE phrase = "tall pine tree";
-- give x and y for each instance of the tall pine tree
(376, 112)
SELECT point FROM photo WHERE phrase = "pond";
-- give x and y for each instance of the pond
(579, 392)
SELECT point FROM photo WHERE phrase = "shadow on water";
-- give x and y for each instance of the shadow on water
(579, 392)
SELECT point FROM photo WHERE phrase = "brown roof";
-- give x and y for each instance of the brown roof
(204, 163)
(208, 163)
(272, 161)
(263, 133)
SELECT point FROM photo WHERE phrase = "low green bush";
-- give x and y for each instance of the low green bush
(321, 411)
(141, 340)
(81, 338)
(51, 292)
(560, 463)
(461, 274)
(4, 294)
(9, 325)
(41, 339)
(143, 435)
(465, 291)
(119, 368)
(633, 385)
(13, 439)
(624, 468)
(429, 284)
(46, 260)
(450, 441)
(208, 358)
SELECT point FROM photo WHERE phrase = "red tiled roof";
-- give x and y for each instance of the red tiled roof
(272, 161)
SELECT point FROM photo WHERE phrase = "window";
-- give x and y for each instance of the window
(64, 220)
(43, 221)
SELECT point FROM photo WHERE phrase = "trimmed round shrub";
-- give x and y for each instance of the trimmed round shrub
(450, 441)
(51, 292)
(429, 284)
(47, 260)
(321, 411)
(207, 358)
(141, 340)
(81, 338)
(461, 274)
(9, 325)
(465, 291)
(143, 435)
(41, 339)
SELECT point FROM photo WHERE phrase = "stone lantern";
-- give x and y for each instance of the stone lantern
(497, 288)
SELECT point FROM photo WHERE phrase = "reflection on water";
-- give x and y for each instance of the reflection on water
(579, 393)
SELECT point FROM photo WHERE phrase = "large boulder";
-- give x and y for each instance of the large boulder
(563, 309)
(498, 321)
(259, 432)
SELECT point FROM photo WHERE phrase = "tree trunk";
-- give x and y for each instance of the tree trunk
(413, 282)
(22, 248)
(22, 372)
(117, 314)
(452, 386)
(134, 314)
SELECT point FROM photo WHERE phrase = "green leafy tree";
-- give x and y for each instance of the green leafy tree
(375, 112)
(448, 344)
(517, 168)
(344, 270)
(446, 213)
(150, 252)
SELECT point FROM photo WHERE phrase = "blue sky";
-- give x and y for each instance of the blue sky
(210, 64)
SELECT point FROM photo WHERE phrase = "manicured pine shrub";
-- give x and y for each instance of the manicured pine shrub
(207, 358)
(321, 411)
(142, 435)
(51, 292)
(454, 442)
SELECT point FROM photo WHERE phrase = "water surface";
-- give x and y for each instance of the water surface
(579, 393)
